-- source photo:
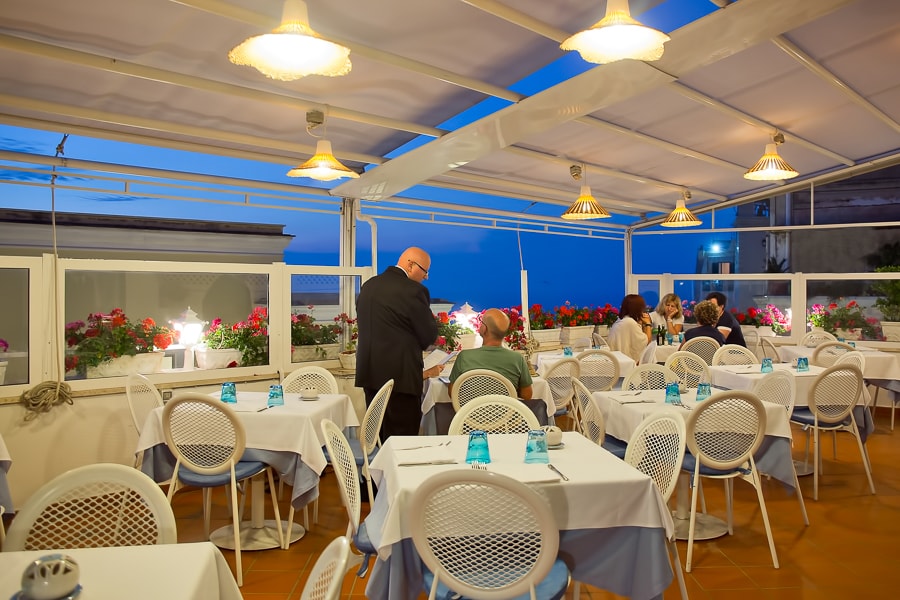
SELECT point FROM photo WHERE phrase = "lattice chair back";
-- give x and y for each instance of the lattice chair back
(477, 383)
(657, 448)
(476, 548)
(327, 575)
(777, 387)
(593, 426)
(768, 350)
(581, 344)
(494, 413)
(827, 353)
(648, 356)
(814, 338)
(732, 354)
(834, 393)
(310, 377)
(598, 370)
(690, 368)
(99, 505)
(203, 433)
(142, 397)
(559, 377)
(751, 338)
(858, 360)
(599, 340)
(703, 346)
(649, 377)
(726, 429)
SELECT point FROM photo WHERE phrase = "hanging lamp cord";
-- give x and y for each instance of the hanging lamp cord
(45, 395)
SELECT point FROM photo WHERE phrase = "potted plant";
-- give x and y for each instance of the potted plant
(351, 334)
(542, 324)
(576, 322)
(687, 311)
(754, 318)
(515, 338)
(847, 320)
(778, 322)
(888, 303)
(245, 343)
(604, 317)
(449, 333)
(312, 340)
(112, 345)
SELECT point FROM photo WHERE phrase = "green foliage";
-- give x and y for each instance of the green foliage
(251, 337)
(104, 337)
(889, 294)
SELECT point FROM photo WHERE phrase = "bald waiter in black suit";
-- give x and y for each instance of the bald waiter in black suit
(395, 325)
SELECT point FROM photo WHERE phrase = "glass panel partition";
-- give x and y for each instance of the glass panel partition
(322, 325)
(14, 329)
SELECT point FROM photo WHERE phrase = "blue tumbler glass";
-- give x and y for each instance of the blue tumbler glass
(478, 451)
(276, 396)
(704, 391)
(536, 447)
(229, 394)
(766, 366)
(802, 364)
(673, 396)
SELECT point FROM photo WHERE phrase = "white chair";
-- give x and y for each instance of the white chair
(208, 440)
(99, 505)
(348, 482)
(508, 551)
(768, 350)
(657, 448)
(599, 340)
(733, 354)
(310, 377)
(593, 425)
(559, 378)
(493, 413)
(780, 387)
(827, 353)
(690, 368)
(751, 338)
(703, 346)
(142, 398)
(723, 432)
(598, 370)
(581, 344)
(479, 382)
(814, 338)
(832, 398)
(327, 575)
(2, 526)
(648, 356)
(649, 377)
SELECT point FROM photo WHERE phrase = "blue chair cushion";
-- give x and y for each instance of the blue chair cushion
(690, 461)
(552, 587)
(804, 416)
(242, 470)
(614, 446)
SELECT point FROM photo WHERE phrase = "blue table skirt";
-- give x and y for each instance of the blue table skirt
(629, 561)
(159, 464)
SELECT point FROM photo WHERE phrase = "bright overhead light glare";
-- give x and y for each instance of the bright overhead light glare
(681, 216)
(322, 166)
(771, 167)
(617, 36)
(585, 207)
(293, 50)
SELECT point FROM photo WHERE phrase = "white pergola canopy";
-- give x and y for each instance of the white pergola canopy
(823, 72)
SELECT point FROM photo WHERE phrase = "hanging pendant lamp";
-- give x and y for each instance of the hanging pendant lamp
(585, 207)
(322, 166)
(681, 216)
(771, 167)
(617, 36)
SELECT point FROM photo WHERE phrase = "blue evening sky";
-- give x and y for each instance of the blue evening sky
(481, 266)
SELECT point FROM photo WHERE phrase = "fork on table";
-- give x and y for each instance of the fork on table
(479, 466)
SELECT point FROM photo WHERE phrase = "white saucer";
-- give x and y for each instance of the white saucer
(558, 446)
(307, 399)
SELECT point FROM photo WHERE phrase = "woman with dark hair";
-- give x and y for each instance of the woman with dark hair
(631, 333)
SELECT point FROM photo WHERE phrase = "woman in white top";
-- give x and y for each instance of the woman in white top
(631, 333)
(668, 314)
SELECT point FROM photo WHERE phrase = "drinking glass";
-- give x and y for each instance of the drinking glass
(478, 450)
(852, 344)
(669, 339)
(766, 366)
(567, 351)
(680, 338)
(276, 396)
(536, 447)
(229, 394)
(704, 391)
(840, 339)
(673, 396)
(802, 364)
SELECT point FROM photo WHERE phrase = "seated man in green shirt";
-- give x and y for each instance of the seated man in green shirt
(493, 356)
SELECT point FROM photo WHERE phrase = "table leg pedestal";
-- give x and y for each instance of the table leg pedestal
(706, 527)
(803, 468)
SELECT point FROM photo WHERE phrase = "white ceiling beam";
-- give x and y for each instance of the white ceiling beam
(511, 15)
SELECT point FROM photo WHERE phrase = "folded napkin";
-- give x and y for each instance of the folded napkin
(525, 472)
(631, 398)
(435, 455)
(742, 368)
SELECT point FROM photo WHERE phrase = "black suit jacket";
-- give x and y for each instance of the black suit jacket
(395, 325)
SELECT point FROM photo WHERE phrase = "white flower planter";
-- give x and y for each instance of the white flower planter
(348, 360)
(760, 331)
(467, 340)
(148, 362)
(313, 352)
(3, 364)
(891, 330)
(217, 358)
(570, 334)
(546, 336)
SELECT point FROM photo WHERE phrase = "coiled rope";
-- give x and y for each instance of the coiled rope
(44, 396)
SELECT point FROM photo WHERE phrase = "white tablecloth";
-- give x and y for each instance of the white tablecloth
(5, 464)
(172, 571)
(879, 365)
(437, 392)
(544, 361)
(744, 377)
(604, 500)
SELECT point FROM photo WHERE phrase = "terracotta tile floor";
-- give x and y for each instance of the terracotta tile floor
(849, 549)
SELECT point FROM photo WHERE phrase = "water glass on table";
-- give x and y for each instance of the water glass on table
(673, 395)
(766, 366)
(536, 447)
(478, 451)
(669, 339)
(229, 394)
(802, 364)
(704, 391)
(276, 396)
